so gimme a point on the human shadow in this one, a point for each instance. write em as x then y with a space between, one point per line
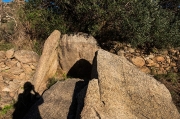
81 69
25 101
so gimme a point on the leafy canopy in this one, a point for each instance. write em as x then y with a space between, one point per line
138 22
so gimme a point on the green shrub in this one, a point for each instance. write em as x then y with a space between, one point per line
139 22
5 109
51 82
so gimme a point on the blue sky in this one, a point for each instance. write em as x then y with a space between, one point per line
6 0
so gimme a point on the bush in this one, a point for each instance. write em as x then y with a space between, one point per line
137 22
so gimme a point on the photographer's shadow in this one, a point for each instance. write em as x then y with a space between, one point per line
25 101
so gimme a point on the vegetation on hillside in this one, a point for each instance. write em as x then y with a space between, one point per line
139 22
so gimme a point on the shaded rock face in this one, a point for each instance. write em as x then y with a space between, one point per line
120 91
48 62
74 48
81 69
63 100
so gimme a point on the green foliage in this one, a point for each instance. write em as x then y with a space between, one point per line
37 47
51 82
170 76
42 20
137 22
173 77
5 109
6 46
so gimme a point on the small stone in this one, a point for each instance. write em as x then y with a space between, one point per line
131 50
22 76
145 70
10 53
11 94
160 59
27 68
2 55
138 61
175 69
172 51
168 60
164 52
11 63
172 64
174 58
137 54
151 56
32 66
25 56
149 61
15 70
161 71
128 45
120 53
167 68
6 89
3 65
125 48
19 65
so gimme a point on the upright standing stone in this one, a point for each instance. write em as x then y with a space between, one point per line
48 62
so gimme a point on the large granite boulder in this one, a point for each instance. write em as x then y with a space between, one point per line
60 101
120 91
48 62
76 50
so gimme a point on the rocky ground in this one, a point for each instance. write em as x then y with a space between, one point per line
18 66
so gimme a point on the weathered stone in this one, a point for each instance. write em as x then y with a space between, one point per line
164 52
4 68
74 48
22 76
2 64
26 56
175 69
131 50
19 65
167 68
15 71
121 91
172 51
121 52
6 89
149 61
159 59
145 70
168 60
32 66
173 64
27 68
174 58
47 62
138 61
161 71
151 56
9 76
11 63
2 55
10 53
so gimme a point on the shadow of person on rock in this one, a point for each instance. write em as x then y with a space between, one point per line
25 101
82 70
